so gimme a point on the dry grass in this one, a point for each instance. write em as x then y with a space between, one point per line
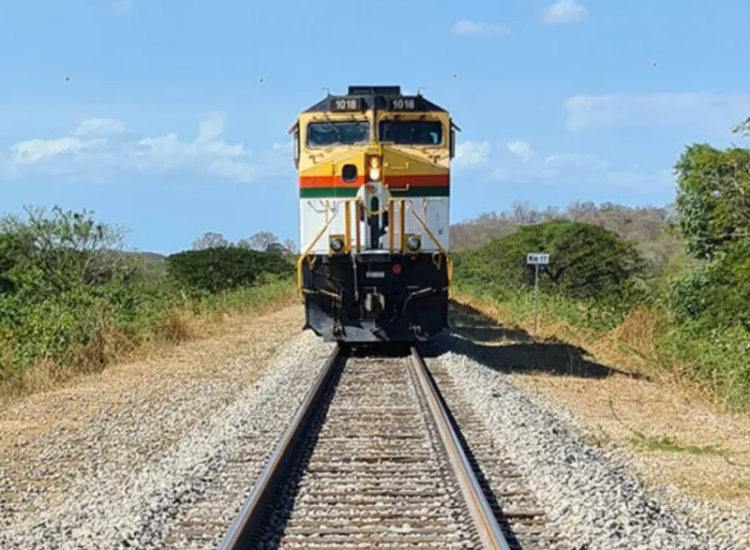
112 347
100 407
674 434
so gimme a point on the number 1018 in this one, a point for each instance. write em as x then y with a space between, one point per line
345 104
404 104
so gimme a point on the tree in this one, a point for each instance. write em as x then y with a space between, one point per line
291 246
713 199
210 240
50 253
587 261
277 248
259 241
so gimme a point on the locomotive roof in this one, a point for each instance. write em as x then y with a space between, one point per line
374 97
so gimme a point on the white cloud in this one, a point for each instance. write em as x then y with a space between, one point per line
36 150
518 163
122 7
563 12
472 28
470 154
572 166
521 149
99 148
693 109
99 127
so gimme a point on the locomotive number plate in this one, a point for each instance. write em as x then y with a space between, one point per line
346 104
403 104
376 274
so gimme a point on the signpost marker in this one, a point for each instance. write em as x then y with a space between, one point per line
536 259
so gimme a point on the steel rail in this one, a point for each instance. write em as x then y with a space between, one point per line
481 512
241 532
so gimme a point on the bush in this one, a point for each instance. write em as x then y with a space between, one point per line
586 261
222 268
717 294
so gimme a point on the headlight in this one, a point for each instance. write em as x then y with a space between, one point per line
412 243
373 168
337 244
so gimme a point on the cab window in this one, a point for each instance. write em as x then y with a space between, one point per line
411 132
327 134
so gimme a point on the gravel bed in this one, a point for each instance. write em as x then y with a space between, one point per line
589 497
713 520
111 507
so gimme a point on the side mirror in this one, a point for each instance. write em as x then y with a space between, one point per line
296 146
453 143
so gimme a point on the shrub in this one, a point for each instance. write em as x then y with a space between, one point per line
717 294
586 261
223 268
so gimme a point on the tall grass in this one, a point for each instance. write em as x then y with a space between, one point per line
85 330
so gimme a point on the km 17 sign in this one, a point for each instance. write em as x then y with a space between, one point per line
537 258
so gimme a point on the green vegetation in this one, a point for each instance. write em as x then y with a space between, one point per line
670 445
223 268
590 261
71 300
667 291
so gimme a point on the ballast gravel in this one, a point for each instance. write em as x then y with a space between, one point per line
589 497
109 507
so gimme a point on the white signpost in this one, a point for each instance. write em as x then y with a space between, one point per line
536 259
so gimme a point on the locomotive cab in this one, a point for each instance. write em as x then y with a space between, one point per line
374 177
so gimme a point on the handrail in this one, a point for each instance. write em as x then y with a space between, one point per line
448 259
391 235
306 253
348 226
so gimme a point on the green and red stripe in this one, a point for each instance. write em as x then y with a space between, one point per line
422 185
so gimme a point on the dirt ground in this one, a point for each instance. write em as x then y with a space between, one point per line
163 385
672 442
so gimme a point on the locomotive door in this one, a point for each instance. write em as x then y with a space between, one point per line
373 199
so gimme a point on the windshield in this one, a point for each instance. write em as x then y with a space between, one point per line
324 134
411 132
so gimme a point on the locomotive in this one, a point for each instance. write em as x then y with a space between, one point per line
374 188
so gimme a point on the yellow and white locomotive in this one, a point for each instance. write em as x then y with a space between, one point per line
374 184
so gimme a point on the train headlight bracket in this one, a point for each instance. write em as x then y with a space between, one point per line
413 243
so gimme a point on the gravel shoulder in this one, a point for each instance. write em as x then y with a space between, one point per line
631 435
145 441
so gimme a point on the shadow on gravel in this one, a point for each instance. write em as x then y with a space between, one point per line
378 350
472 332
476 325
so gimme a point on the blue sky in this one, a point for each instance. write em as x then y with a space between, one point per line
166 129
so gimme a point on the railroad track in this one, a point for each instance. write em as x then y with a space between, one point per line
372 459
